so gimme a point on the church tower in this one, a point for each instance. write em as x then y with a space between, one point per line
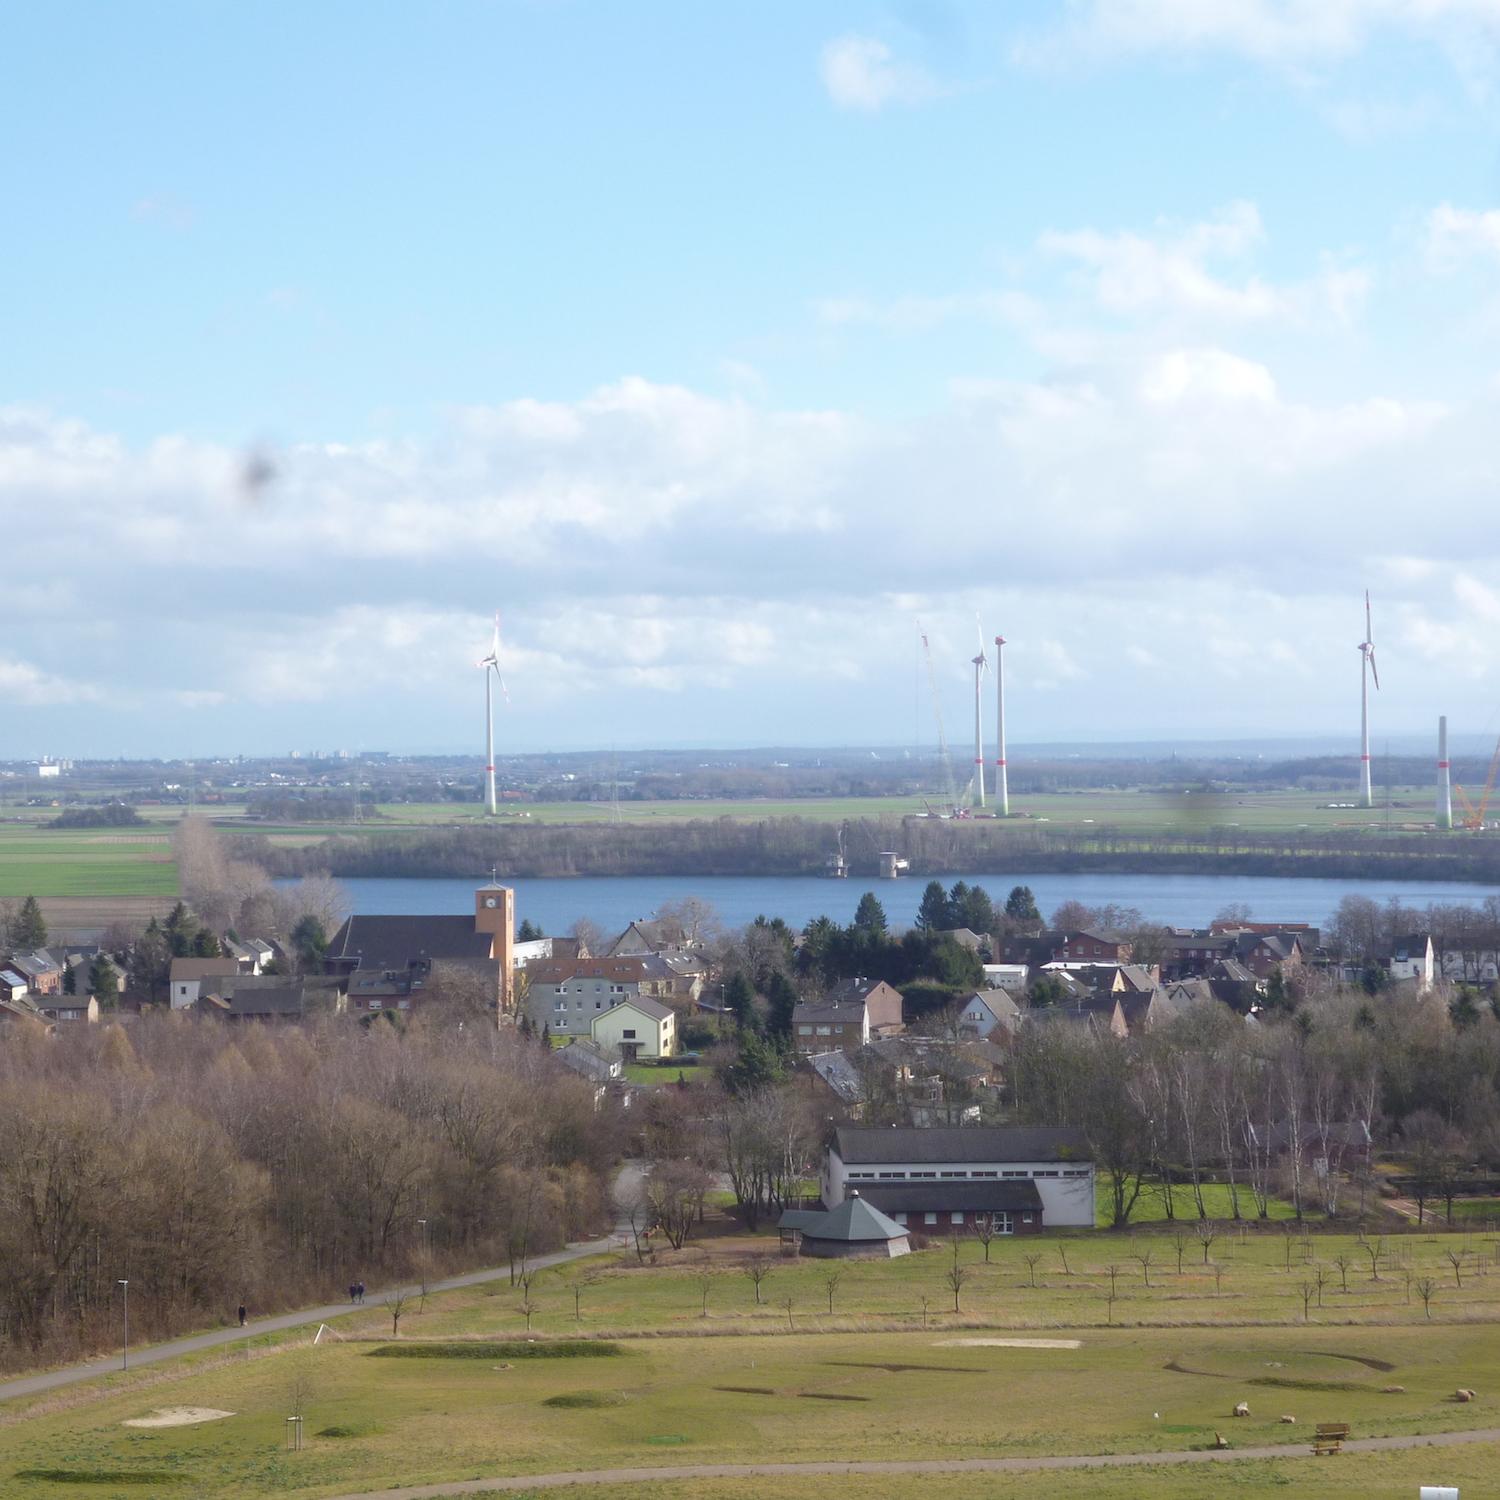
495 914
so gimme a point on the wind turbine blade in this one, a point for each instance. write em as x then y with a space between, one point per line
1370 654
504 691
1369 629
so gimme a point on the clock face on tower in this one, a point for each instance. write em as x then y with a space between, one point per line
489 900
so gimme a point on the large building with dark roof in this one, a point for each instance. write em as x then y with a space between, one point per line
409 946
945 1180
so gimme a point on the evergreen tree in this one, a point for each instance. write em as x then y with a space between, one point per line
29 929
529 932
180 929
1020 905
310 942
524 1026
206 945
781 1006
151 961
104 982
756 1066
739 1001
932 913
974 910
70 979
869 915
546 1036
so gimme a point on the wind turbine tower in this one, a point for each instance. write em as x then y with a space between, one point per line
1002 777
1367 672
490 666
980 663
1445 789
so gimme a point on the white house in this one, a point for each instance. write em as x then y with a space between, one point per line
185 982
986 1011
1412 958
945 1178
638 1027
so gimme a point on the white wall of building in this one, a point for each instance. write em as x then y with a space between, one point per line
1065 1188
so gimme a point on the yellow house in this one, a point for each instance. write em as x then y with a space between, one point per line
638 1027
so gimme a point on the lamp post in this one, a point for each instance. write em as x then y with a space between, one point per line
125 1338
423 1223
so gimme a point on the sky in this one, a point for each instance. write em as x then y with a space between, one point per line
724 350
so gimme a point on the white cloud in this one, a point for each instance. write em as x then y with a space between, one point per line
1458 234
861 72
1135 275
1280 32
28 686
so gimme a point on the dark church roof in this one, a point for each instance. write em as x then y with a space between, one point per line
985 1197
396 942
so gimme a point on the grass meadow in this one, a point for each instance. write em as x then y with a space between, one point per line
709 1372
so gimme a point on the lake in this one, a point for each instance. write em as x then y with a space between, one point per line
1174 900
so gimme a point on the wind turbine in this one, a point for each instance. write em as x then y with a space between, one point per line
980 663
1366 673
1002 775
490 666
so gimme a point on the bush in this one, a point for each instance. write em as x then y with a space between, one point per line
585 1399
350 1430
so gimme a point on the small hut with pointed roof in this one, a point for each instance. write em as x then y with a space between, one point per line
853 1230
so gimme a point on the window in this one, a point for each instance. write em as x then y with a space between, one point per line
1004 1224
1015 1174
825 1031
899 1176
804 1031
956 1217
953 1174
981 1174
629 1035
929 1218
924 1174
899 1218
1044 1174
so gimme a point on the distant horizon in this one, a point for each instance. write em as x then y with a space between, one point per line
1241 747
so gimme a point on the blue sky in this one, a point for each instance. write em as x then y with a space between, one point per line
718 346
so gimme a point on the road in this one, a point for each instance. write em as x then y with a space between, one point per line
527 1482
625 1182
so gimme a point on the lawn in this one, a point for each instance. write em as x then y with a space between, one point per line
1151 1206
787 1397
649 1073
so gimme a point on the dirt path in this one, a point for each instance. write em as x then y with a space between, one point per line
525 1482
34 1385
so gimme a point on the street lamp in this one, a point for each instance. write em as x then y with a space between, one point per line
423 1223
125 1339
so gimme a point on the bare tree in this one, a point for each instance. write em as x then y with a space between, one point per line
1180 1244
984 1232
1455 1258
955 1276
1374 1249
1144 1257
1207 1234
1343 1261
396 1304
1031 1263
1426 1290
705 1280
758 1270
831 1279
1308 1291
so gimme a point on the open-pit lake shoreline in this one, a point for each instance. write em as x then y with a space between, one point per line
613 901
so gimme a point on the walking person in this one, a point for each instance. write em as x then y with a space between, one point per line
353 1292
242 1314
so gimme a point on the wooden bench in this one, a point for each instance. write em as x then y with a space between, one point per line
1329 1437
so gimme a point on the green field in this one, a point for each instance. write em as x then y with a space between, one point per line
648 1073
84 862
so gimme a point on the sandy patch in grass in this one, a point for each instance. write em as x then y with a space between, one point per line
1009 1344
178 1416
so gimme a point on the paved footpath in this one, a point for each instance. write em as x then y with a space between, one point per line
33 1385
526 1482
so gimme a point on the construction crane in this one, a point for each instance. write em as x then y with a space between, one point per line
950 792
1475 813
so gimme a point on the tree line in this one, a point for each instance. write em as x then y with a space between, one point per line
213 1166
